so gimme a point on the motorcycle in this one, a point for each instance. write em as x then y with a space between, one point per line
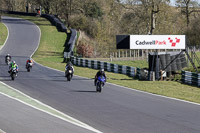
8 60
13 73
100 83
68 74
29 66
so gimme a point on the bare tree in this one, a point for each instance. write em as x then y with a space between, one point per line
148 10
187 8
46 4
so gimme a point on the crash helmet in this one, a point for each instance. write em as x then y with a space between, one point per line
69 63
14 62
101 70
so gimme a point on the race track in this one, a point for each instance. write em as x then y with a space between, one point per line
115 110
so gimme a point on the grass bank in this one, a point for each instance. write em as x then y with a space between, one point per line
3 33
50 51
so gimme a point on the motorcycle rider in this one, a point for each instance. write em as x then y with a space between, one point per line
8 56
13 65
29 61
69 66
101 72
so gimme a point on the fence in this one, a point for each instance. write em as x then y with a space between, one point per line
190 78
69 45
94 64
56 22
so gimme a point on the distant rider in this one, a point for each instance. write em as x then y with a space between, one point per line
12 66
8 56
29 61
69 66
101 72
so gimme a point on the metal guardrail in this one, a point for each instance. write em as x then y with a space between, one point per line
94 64
69 46
56 22
190 78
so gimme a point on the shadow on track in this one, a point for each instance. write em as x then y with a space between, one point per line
83 91
82 79
6 79
57 76
4 76
59 80
3 64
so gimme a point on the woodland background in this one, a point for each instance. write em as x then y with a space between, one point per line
99 21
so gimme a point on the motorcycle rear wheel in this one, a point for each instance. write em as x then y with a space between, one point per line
69 77
13 77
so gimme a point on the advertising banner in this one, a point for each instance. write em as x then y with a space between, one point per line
157 41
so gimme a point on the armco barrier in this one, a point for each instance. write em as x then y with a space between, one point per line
59 25
190 78
69 46
127 70
72 39
21 13
56 22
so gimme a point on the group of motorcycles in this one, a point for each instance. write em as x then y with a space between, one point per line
69 70
68 74
13 71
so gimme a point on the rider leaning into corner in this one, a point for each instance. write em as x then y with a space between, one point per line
8 55
29 61
69 66
101 72
13 65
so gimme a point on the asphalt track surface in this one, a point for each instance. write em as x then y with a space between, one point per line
17 117
115 110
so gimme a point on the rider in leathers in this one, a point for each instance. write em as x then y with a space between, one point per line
99 73
69 65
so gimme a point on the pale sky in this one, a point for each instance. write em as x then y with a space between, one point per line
172 2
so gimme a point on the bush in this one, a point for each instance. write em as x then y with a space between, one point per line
85 50
79 22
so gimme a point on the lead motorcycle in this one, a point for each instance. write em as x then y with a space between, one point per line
29 66
8 60
13 73
100 83
68 74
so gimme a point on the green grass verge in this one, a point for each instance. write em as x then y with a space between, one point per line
50 54
136 63
3 33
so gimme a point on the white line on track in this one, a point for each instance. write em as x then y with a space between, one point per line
74 121
1 131
77 122
132 88
6 38
107 83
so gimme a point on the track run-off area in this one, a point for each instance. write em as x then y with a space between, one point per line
43 101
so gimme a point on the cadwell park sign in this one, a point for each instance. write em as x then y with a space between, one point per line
151 41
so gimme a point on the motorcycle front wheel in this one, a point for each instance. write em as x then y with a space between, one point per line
98 87
13 76
69 77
